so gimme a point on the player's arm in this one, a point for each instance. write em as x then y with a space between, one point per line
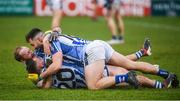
57 57
57 16
54 67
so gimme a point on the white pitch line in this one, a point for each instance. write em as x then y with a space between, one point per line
154 25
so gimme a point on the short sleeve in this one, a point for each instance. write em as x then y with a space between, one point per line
55 47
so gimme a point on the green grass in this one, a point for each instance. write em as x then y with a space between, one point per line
164 33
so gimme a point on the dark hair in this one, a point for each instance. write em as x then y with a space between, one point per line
32 33
17 56
31 66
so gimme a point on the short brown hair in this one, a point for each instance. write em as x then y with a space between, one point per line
17 56
31 66
32 33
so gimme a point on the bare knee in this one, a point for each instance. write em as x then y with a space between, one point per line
93 87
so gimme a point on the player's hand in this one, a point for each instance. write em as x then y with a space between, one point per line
53 36
57 29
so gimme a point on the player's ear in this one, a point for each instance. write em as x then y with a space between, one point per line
40 39
30 40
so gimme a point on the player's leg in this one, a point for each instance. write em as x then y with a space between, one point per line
94 79
110 22
145 51
56 6
118 59
57 16
143 81
93 74
112 26
94 65
120 25
167 83
95 10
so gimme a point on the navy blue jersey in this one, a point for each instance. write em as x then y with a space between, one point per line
69 76
39 52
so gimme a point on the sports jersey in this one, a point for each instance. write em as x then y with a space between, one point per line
72 48
39 52
69 76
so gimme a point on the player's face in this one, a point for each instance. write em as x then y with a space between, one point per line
26 53
35 43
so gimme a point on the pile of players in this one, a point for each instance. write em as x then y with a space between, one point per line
62 61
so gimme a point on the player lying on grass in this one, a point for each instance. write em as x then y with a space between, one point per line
26 54
71 76
93 55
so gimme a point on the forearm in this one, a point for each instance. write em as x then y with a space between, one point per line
56 18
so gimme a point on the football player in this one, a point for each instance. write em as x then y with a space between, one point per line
112 15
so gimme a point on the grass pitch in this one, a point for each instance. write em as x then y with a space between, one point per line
164 33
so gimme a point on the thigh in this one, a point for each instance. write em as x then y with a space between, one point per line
93 72
118 59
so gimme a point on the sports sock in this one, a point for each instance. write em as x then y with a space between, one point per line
139 54
119 37
114 37
121 78
158 85
163 73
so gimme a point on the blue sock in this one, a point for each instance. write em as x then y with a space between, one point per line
158 85
163 73
121 78
139 54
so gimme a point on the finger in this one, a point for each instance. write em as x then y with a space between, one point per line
54 38
50 38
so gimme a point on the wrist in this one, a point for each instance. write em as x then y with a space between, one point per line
54 27
40 78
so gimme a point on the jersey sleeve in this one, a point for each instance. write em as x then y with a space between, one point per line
55 47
